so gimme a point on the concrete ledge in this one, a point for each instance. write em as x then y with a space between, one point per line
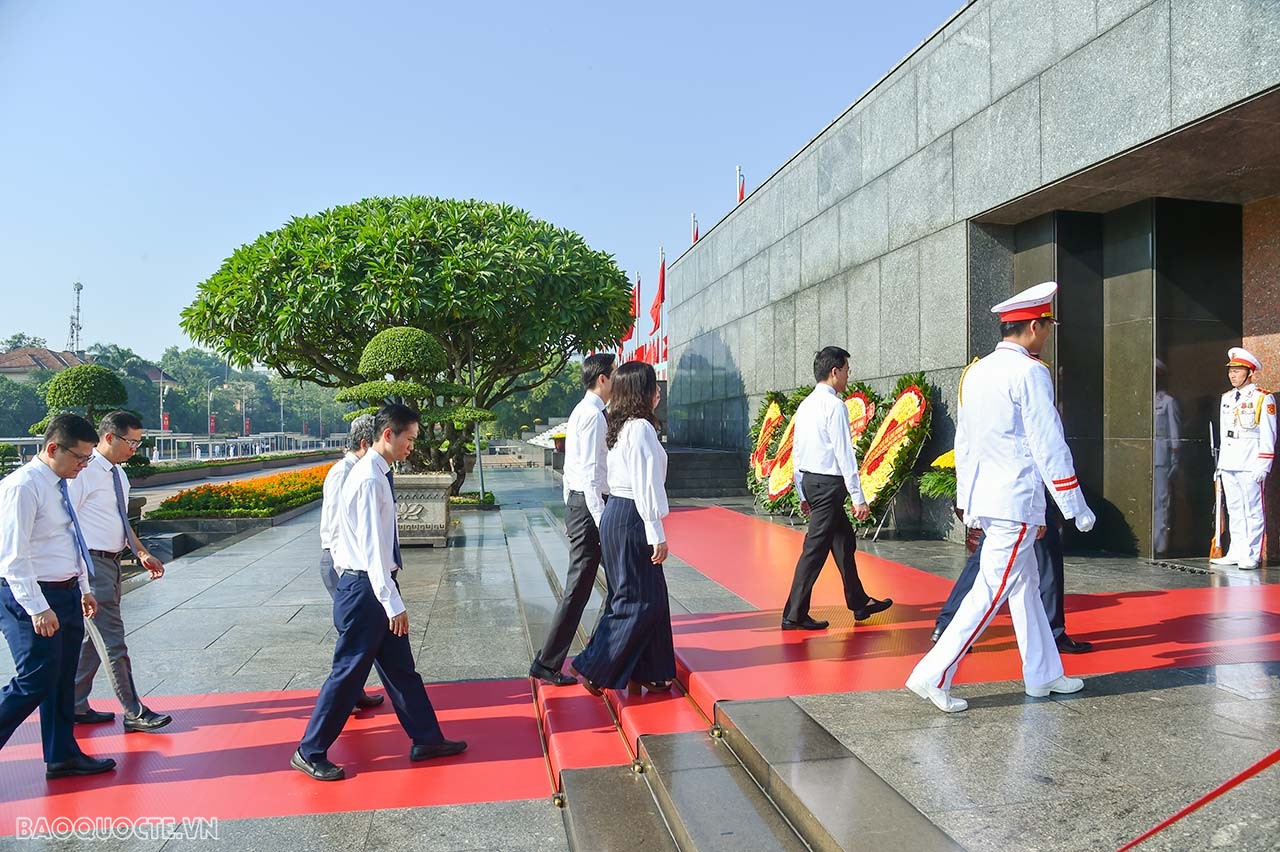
205 531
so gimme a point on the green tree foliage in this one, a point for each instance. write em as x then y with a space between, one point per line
88 389
415 360
553 397
20 340
20 406
504 293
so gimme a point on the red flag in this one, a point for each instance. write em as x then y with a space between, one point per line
693 220
655 310
742 185
635 310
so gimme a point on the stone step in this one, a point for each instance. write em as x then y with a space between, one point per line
833 800
611 809
711 803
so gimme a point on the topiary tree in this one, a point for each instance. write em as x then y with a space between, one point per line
509 298
88 389
416 362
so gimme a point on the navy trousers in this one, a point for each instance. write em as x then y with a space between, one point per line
633 639
46 670
365 640
584 561
1048 560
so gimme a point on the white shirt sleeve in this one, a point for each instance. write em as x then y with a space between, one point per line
1047 444
595 477
647 474
18 507
376 553
842 446
1266 435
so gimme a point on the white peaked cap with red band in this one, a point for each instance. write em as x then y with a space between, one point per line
1243 358
1032 303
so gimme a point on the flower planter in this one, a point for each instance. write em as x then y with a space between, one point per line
422 508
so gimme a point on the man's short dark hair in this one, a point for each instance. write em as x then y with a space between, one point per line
67 430
595 366
830 358
395 417
1015 328
119 422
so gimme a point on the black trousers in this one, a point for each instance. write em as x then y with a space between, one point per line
1048 560
829 532
633 640
584 563
365 640
46 670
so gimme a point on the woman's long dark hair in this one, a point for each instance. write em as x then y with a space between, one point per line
631 398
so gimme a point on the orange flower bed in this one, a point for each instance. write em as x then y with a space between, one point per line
263 497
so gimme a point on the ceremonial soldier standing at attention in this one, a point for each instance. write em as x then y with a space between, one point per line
1248 431
1009 448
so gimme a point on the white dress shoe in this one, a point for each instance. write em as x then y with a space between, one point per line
1222 560
941 698
1064 685
1248 566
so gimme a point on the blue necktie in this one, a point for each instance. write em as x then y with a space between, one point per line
395 547
81 547
121 506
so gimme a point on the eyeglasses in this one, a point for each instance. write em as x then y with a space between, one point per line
133 445
82 458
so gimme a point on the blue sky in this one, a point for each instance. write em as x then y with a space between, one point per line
141 142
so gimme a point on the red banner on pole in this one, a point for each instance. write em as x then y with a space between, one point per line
164 422
213 423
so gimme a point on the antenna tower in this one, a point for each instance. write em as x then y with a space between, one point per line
73 335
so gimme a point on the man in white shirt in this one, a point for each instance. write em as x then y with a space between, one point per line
826 474
100 495
1009 449
373 625
586 487
45 594
359 440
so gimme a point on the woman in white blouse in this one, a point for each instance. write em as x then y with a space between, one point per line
632 645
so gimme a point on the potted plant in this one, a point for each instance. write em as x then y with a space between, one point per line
404 365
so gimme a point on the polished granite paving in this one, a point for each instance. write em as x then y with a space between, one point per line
1088 771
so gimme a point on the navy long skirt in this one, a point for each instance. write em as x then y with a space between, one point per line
633 642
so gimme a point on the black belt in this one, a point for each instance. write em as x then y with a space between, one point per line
52 584
828 475
353 573
113 555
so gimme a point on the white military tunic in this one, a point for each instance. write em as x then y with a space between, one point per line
1248 427
1009 448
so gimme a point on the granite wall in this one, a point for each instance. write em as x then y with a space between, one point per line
861 239
1262 324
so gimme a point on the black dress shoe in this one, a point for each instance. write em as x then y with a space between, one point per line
1067 645
546 674
936 635
94 717
806 624
145 722
319 769
870 608
81 764
368 700
440 749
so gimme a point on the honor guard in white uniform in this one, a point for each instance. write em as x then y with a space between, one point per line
1248 429
1009 450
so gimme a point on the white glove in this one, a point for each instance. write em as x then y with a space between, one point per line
1085 520
1260 476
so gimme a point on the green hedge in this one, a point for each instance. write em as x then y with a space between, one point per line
137 472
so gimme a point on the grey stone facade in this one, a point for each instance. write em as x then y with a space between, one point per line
863 238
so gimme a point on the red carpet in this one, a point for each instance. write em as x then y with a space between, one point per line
745 655
227 756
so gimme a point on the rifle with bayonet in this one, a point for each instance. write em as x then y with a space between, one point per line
1215 547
